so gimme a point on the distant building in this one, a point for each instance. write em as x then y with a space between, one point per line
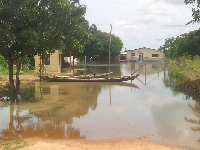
123 56
52 62
145 54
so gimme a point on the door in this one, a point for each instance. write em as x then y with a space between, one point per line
141 57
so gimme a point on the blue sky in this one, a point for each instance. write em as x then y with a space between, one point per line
143 23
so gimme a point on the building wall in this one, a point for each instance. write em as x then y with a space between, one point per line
147 53
55 62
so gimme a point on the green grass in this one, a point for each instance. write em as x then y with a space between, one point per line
3 71
185 68
24 72
28 72
13 145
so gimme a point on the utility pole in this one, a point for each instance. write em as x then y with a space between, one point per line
109 47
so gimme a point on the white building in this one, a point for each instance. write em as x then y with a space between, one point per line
145 54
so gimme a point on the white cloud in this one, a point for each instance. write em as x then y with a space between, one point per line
121 1
174 2
144 23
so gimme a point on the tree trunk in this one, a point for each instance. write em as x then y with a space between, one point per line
73 61
70 62
17 77
73 65
11 80
40 71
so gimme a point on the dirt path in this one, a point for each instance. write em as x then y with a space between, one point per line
36 144
21 77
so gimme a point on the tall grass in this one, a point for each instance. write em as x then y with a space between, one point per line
185 68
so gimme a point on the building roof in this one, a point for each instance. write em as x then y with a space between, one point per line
144 48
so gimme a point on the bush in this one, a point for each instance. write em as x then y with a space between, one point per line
185 68
3 63
27 66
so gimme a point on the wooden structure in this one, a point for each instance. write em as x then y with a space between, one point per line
90 79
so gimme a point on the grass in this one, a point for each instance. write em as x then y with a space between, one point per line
185 68
13 145
3 71
24 72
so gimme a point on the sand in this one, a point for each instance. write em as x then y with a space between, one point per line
117 144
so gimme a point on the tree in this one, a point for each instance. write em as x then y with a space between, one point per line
16 36
99 44
116 45
195 11
3 64
32 27
75 31
185 44
94 46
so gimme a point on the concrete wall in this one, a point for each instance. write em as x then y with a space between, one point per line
55 62
147 53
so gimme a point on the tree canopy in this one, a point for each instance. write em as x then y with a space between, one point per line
75 30
185 44
37 26
99 44
195 10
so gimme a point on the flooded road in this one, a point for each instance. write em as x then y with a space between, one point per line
145 108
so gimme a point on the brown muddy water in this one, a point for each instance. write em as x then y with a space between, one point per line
144 108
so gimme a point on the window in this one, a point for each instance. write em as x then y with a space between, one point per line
132 54
140 56
154 55
46 59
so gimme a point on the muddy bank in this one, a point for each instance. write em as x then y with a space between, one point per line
191 88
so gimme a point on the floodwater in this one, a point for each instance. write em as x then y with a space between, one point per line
146 107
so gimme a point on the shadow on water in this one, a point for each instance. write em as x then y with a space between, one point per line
148 108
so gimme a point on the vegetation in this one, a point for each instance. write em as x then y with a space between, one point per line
185 68
185 72
99 44
40 26
185 44
195 10
184 54
34 27
75 30
13 145
3 66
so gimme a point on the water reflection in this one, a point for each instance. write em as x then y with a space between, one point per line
170 82
104 110
51 111
24 125
64 100
195 122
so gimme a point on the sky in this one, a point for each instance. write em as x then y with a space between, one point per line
140 23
